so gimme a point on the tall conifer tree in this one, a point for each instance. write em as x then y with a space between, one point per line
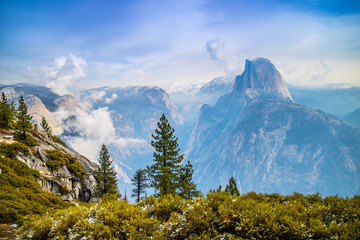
23 123
44 124
6 112
106 175
140 182
231 188
187 188
164 173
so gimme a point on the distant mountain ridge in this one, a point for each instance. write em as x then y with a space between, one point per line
353 117
46 95
336 101
246 126
259 136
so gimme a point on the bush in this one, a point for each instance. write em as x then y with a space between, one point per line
12 150
58 140
105 220
218 216
57 159
29 141
20 194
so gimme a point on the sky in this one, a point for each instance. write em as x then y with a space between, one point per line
69 45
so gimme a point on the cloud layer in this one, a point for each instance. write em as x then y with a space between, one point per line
228 62
60 74
93 128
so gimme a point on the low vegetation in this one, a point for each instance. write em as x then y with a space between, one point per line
20 193
57 159
218 216
11 150
58 140
29 140
44 124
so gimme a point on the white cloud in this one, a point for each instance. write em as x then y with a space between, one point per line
94 128
230 63
314 73
59 74
121 175
97 95
110 100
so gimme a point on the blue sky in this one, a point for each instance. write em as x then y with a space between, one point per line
83 44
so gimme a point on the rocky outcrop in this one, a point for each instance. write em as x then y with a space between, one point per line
61 181
37 110
260 76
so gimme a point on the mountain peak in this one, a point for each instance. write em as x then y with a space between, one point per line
260 75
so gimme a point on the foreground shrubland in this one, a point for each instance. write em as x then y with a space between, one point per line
218 216
20 193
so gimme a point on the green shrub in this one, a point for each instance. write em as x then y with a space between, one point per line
58 140
164 206
57 159
29 141
218 216
106 220
21 194
12 150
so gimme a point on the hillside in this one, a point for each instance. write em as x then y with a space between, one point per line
40 177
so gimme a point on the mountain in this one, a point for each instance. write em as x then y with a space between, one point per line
258 135
338 100
134 112
36 107
209 120
190 100
260 76
46 95
218 85
353 118
141 105
37 110
122 118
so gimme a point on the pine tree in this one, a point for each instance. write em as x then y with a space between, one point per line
23 123
13 111
46 126
187 188
231 188
6 112
140 182
164 173
106 175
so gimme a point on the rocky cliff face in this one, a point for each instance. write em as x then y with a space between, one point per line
37 110
60 181
267 143
38 100
260 76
